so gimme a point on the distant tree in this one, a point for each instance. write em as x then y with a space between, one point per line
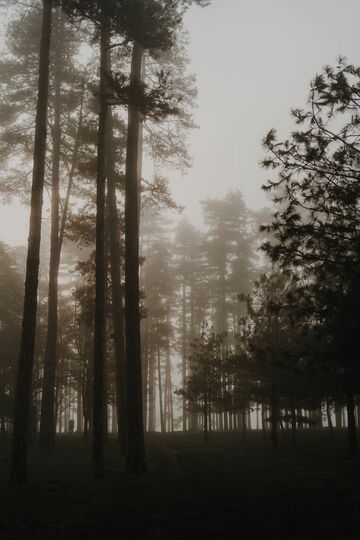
203 386
191 274
11 298
228 248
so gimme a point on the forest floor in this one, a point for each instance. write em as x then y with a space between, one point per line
229 490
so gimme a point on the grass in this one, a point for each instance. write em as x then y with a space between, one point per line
226 491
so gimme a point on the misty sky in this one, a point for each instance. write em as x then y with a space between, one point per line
254 60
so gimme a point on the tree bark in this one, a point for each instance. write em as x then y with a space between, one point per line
47 420
161 408
183 353
152 384
135 461
100 272
18 465
115 270
117 298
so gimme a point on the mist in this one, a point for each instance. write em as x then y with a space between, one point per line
179 269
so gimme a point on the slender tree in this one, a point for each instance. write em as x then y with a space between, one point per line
48 422
18 465
136 447
100 260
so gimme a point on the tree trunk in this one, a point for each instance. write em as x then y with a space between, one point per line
328 416
293 422
351 429
79 411
161 408
206 427
152 407
183 353
117 299
338 414
18 465
100 272
47 419
135 461
243 424
274 417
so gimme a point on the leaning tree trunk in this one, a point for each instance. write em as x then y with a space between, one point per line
18 465
100 271
135 461
117 298
47 421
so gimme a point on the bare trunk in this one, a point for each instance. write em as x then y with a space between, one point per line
47 420
117 298
136 445
184 415
100 272
152 408
162 423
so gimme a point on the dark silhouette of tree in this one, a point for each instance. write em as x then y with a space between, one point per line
316 228
18 469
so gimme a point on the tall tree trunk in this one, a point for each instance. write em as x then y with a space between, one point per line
135 461
145 359
100 272
74 160
18 465
183 353
47 419
168 389
117 298
152 402
161 408
79 411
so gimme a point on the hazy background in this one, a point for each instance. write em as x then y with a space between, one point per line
254 60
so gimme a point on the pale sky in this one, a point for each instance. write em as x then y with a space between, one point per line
254 60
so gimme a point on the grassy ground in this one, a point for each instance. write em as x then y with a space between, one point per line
226 491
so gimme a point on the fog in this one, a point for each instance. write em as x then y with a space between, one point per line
179 269
253 60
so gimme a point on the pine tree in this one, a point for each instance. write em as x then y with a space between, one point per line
18 466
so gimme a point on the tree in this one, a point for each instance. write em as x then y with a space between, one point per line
316 229
229 253
18 468
203 387
10 327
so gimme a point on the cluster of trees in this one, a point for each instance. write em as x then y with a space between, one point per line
297 348
80 123
131 319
